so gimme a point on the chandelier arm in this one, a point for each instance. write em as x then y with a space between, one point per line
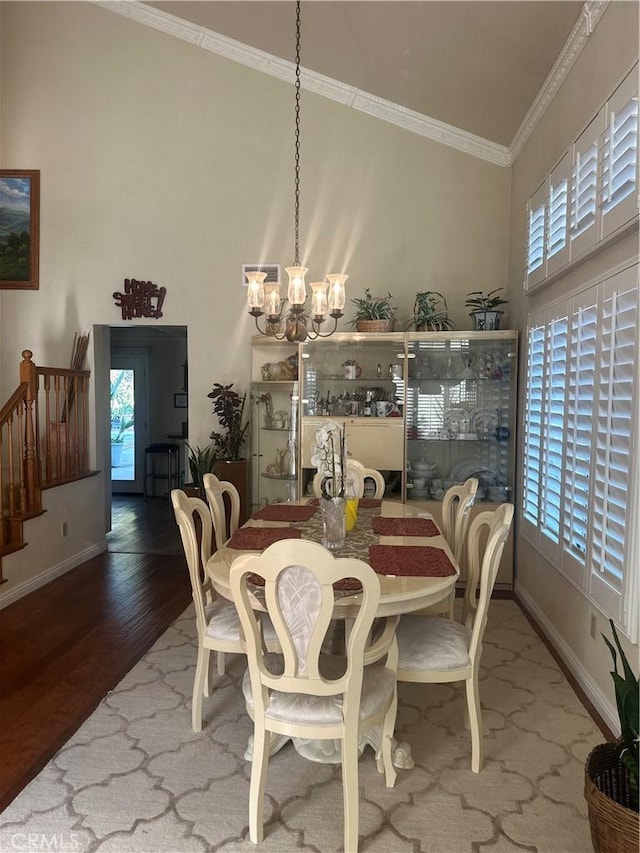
315 332
264 332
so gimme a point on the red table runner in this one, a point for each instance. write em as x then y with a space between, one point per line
286 512
258 538
410 561
384 526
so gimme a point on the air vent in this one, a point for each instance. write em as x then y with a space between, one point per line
272 271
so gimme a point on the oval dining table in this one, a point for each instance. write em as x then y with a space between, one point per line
394 554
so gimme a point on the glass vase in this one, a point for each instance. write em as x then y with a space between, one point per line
333 522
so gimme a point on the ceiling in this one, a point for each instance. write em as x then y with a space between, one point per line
474 64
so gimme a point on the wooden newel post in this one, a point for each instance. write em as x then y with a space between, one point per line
30 456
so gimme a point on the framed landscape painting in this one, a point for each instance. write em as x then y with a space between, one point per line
19 228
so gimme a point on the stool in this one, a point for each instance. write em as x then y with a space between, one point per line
172 474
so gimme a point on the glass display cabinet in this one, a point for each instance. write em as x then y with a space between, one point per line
358 380
460 413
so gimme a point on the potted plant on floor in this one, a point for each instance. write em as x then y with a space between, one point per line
373 313
228 442
201 462
484 312
430 312
611 772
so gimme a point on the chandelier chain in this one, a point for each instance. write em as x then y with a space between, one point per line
296 252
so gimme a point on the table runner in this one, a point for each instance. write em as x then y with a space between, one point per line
410 561
286 512
258 538
384 526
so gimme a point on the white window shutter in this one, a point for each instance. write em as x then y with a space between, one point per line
536 268
583 229
616 463
533 423
619 183
558 216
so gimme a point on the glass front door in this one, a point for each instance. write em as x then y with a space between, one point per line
128 412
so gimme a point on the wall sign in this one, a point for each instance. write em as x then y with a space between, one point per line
140 299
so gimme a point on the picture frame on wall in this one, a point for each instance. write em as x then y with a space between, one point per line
19 229
180 401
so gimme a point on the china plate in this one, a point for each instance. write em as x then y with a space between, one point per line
465 468
485 420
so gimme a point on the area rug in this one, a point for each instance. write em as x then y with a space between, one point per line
136 779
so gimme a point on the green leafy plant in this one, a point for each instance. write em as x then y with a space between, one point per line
228 406
370 307
430 311
201 461
477 300
626 689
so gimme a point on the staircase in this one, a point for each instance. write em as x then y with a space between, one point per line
43 443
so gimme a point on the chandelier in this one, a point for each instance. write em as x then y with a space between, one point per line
298 323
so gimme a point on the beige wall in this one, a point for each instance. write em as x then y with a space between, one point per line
163 162
609 55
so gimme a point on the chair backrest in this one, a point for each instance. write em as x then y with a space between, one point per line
186 510
299 595
355 473
215 490
485 544
378 479
456 509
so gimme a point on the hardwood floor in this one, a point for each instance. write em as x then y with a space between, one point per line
63 647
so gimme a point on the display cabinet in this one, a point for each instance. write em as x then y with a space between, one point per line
274 423
358 380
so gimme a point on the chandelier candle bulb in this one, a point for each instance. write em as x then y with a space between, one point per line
272 298
337 293
319 299
255 291
296 293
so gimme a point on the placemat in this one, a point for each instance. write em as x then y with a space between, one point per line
258 538
410 561
285 512
384 526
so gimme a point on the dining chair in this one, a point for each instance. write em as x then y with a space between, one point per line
303 692
436 650
356 472
215 491
217 620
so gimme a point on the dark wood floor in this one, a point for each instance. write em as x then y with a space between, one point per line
63 647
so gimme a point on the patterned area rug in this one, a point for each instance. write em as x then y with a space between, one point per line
136 779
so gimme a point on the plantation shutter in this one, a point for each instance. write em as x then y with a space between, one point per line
579 432
536 214
619 185
533 416
558 217
583 197
615 445
553 430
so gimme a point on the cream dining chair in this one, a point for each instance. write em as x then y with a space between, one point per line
436 650
356 472
217 620
302 692
215 491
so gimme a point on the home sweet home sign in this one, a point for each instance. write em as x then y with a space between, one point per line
140 299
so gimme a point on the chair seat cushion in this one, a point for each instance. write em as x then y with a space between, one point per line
223 622
432 643
378 685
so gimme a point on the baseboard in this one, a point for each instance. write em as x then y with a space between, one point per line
607 711
46 577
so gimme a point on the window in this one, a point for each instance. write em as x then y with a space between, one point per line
580 469
591 194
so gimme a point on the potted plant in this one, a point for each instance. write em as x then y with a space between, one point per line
430 312
373 313
201 462
484 309
227 443
611 772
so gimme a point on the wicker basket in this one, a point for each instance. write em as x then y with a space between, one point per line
614 826
374 325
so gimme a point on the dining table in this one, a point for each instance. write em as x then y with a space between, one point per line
415 566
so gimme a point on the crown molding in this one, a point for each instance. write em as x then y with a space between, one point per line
310 80
350 96
592 11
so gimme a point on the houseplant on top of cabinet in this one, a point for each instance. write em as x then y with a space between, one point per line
227 443
430 313
484 309
611 771
373 313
